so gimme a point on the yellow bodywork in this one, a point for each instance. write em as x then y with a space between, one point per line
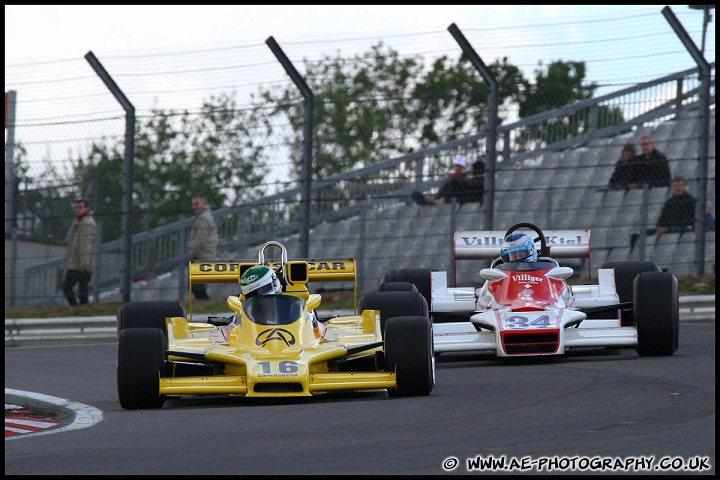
290 359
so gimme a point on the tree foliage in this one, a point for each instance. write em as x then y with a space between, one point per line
369 108
452 99
177 155
41 205
359 104
379 105
560 84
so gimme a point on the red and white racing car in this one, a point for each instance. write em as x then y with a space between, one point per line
528 309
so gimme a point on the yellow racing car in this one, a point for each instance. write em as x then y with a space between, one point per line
274 345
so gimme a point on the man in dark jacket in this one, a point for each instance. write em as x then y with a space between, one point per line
678 213
453 185
624 175
651 165
473 188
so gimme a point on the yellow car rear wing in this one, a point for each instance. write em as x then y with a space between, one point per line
297 272
305 270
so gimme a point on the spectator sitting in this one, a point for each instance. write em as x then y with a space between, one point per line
678 212
473 188
709 217
450 188
624 176
418 198
652 166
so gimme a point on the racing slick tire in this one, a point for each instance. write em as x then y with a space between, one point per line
140 360
656 311
147 315
409 353
625 273
420 277
394 304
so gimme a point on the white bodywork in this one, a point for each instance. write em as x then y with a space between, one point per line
495 329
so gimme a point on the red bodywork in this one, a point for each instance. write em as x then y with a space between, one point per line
527 292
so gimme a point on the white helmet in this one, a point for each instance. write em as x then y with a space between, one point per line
259 280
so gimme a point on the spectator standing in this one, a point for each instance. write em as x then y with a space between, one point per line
625 177
203 241
80 260
652 165
473 188
678 212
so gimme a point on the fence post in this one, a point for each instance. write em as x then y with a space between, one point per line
182 266
360 262
644 208
703 139
98 263
308 141
453 228
13 266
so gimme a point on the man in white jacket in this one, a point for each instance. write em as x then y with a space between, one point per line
203 241
80 261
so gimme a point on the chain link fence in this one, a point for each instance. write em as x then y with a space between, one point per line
552 169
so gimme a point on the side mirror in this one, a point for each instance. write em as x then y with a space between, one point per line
560 273
493 274
235 303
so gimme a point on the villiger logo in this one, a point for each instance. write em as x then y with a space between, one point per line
486 241
526 278
275 334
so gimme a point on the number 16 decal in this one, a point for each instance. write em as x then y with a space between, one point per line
281 367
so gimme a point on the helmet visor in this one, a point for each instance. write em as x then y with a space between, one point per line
516 255
261 290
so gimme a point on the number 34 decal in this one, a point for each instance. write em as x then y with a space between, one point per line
520 321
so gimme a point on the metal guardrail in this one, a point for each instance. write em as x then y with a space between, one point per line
697 309
23 332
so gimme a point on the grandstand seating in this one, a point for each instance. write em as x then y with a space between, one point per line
571 185
567 190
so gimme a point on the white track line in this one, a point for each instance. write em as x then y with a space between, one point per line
85 415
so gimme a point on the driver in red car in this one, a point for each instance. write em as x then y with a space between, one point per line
518 247
528 287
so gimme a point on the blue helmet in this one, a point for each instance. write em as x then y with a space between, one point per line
518 247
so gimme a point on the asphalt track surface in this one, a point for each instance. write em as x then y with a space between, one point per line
588 407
